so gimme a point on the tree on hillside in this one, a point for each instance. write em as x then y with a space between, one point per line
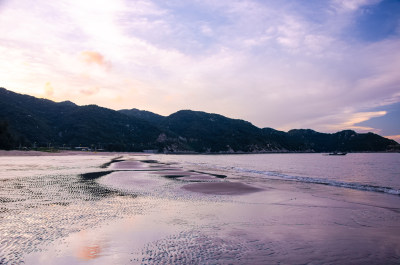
6 139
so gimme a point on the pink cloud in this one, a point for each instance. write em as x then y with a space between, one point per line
90 91
394 137
48 90
93 57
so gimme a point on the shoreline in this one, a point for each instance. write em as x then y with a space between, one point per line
62 153
68 152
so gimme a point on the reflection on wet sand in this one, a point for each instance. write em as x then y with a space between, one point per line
89 252
87 247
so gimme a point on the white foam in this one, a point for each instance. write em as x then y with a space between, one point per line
322 181
329 182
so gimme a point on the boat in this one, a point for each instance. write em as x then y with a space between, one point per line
338 154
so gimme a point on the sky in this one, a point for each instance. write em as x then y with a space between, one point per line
327 65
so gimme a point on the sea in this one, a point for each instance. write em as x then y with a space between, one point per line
377 172
310 209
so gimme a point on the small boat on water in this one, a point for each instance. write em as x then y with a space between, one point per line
338 154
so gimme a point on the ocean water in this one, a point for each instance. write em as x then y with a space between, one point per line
379 172
312 209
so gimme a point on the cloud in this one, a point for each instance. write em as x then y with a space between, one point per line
394 137
94 58
352 5
355 118
90 91
276 63
48 90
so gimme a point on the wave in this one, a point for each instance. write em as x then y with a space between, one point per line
328 182
321 181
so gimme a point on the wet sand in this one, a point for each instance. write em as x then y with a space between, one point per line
135 212
221 188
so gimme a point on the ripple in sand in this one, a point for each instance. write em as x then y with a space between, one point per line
48 203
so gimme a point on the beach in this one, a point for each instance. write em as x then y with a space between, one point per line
86 208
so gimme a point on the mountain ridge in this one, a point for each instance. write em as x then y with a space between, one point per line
26 121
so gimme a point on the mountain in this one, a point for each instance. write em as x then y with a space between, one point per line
143 114
26 121
205 132
201 132
347 140
29 121
6 139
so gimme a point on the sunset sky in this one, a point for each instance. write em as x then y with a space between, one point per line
324 65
